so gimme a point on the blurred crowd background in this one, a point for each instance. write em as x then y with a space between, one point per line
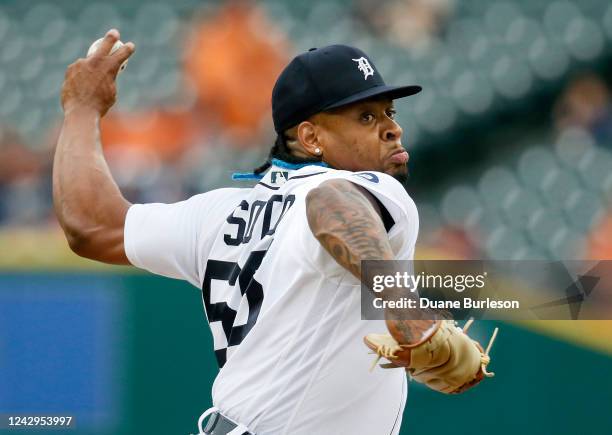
511 158
510 141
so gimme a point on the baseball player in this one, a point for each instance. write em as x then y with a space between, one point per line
278 264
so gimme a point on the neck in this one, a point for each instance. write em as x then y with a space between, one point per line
295 157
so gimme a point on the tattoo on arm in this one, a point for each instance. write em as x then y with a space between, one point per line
346 220
347 224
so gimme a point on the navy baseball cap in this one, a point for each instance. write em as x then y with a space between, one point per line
326 78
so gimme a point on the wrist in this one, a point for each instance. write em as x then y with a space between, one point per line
81 111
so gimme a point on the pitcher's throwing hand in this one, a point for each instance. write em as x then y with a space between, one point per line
90 82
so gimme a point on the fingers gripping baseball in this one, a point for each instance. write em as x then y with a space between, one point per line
107 44
90 82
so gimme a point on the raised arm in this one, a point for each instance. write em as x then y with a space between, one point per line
88 204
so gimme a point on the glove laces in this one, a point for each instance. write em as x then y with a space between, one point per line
485 359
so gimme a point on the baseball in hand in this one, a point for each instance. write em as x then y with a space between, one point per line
92 49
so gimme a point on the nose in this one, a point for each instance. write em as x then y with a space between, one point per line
392 131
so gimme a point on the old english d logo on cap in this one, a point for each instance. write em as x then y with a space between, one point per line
364 66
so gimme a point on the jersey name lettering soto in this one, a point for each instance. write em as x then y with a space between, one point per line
246 216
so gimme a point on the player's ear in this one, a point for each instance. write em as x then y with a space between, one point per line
308 136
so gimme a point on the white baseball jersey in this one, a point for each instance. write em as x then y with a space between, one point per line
285 317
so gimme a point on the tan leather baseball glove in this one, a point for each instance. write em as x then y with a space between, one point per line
436 353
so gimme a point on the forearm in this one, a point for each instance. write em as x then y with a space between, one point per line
87 201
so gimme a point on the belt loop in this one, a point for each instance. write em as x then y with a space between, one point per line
205 414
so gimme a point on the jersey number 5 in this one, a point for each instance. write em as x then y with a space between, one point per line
221 311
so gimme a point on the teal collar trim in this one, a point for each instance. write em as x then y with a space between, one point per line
276 162
246 176
286 165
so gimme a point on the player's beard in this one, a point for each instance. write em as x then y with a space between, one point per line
402 176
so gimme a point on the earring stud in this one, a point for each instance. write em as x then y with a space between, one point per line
317 151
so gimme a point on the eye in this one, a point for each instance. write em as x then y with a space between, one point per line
367 117
391 113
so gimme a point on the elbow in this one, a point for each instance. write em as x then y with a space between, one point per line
94 238
98 243
78 240
78 235
73 229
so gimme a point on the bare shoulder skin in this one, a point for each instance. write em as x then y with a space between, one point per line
88 204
